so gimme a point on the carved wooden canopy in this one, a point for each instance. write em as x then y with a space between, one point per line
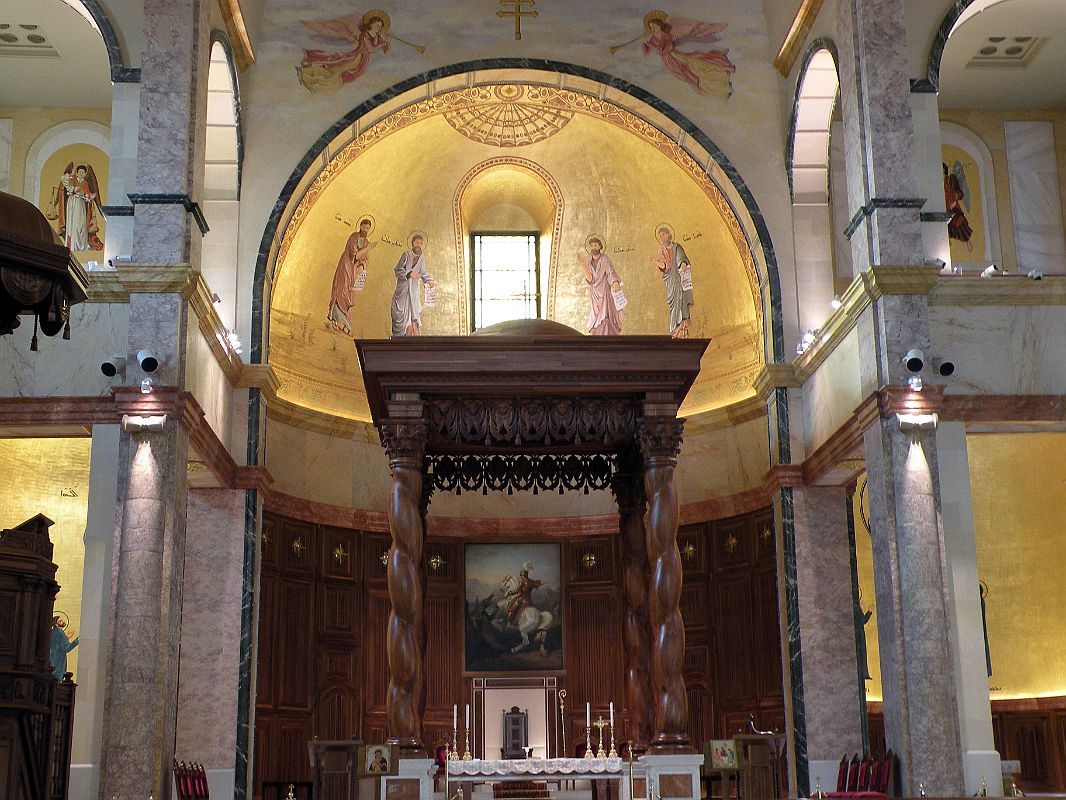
527 405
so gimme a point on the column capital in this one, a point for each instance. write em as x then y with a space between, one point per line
404 440
661 437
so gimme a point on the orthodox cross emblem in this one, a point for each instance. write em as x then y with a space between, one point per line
517 11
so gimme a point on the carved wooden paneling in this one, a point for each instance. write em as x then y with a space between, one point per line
268 540
442 562
762 524
444 651
375 547
338 612
591 560
297 548
338 664
375 665
336 713
697 659
731 542
767 645
265 759
694 607
339 554
1026 738
593 657
699 702
733 621
295 645
290 752
692 544
268 627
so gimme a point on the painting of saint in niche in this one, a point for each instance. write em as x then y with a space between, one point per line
75 208
513 608
709 72
606 299
326 71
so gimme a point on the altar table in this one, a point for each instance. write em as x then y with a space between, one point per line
540 769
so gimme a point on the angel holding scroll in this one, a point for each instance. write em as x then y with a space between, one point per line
74 205
709 72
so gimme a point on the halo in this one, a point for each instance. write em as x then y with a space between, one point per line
62 615
666 225
361 217
661 16
383 15
425 239
592 236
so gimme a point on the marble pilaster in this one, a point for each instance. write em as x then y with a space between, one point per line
879 133
980 760
170 146
832 697
95 611
211 633
122 168
1034 195
911 588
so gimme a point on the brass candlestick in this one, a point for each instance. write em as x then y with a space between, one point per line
588 742
467 755
601 723
453 753
613 753
562 717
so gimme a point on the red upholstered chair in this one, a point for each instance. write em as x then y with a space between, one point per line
865 766
842 775
853 774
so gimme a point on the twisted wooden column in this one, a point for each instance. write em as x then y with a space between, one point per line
660 440
628 488
405 443
423 572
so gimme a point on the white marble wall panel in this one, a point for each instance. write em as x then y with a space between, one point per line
208 383
64 367
832 393
1034 195
927 153
838 198
122 173
1002 349
812 231
5 152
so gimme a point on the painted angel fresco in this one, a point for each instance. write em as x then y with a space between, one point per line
325 71
956 201
709 72
75 206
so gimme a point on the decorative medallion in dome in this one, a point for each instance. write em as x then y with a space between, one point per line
509 115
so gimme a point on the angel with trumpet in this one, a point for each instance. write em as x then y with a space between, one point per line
321 70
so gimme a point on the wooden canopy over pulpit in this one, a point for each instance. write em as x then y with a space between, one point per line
534 405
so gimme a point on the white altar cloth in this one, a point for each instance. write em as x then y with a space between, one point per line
536 766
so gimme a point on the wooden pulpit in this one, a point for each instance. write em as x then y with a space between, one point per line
335 769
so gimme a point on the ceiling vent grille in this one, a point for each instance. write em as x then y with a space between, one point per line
24 39
1007 51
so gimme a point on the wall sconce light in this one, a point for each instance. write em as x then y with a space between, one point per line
917 422
588 560
436 563
688 552
138 424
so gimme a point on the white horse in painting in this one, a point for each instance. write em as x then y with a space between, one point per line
532 622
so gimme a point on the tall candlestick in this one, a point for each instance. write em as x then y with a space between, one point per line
588 715
467 715
612 713
455 716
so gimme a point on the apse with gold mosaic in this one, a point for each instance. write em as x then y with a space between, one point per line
507 201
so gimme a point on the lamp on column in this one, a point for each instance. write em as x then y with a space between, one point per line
38 275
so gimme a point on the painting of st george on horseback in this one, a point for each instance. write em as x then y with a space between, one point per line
513 608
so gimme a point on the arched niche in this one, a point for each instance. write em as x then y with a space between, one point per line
621 176
505 194
981 182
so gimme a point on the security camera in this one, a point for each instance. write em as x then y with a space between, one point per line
147 360
990 270
914 360
944 366
935 262
1035 274
116 365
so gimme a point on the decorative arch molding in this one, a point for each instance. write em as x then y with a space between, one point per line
931 82
657 116
550 186
962 137
75 131
818 45
120 72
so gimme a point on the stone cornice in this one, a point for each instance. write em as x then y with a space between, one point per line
298 416
796 36
261 377
774 376
900 280
1004 290
726 417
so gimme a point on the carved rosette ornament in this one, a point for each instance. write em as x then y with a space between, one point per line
660 440
628 488
405 443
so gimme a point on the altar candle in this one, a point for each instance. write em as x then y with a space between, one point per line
588 715
455 717
468 716
612 714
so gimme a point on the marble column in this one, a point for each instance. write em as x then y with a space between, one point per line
884 192
628 488
95 611
171 130
405 443
660 440
142 679
833 699
912 590
211 634
980 761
